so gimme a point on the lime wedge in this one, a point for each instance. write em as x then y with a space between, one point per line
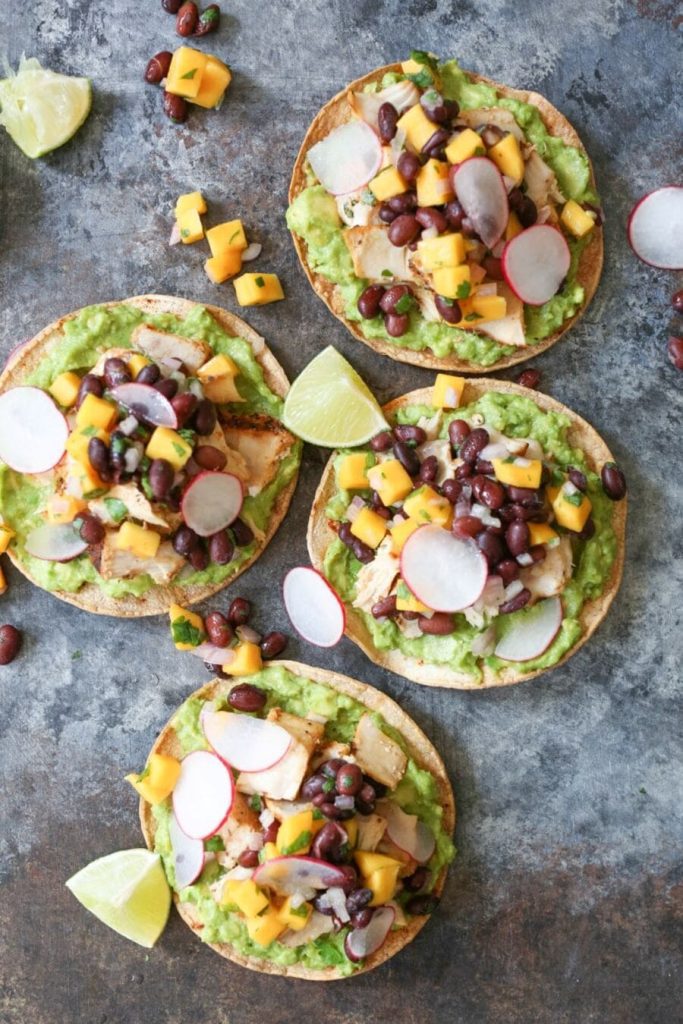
127 891
41 109
328 404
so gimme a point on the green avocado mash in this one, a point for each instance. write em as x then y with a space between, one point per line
93 331
417 793
313 216
514 416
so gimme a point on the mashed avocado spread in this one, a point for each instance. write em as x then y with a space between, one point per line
417 793
313 216
514 416
93 331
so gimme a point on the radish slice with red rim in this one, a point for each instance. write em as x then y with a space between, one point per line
146 403
248 744
481 193
55 542
213 655
314 609
363 942
33 431
14 352
535 263
288 875
203 795
407 831
445 572
347 158
655 228
188 855
211 502
532 632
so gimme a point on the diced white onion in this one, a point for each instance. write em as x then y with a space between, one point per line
266 817
252 252
496 450
490 288
525 559
354 509
128 426
175 234
194 386
429 233
180 379
248 635
131 460
484 643
512 589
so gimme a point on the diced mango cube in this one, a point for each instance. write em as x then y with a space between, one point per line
136 363
3 583
63 508
433 186
158 779
187 628
368 861
245 895
190 201
411 67
222 268
513 226
426 506
390 480
265 929
577 220
218 380
85 480
247 660
382 883
96 412
388 183
464 145
166 443
79 440
258 289
518 472
453 282
406 600
487 307
444 251
352 475
295 834
400 534
268 851
229 235
351 829
64 388
142 542
217 367
215 80
507 156
6 535
185 73
418 128
295 918
571 508
447 391
369 527
190 227
541 533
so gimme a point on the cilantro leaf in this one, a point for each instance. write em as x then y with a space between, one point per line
190 74
474 316
574 499
179 449
423 79
300 843
463 290
116 509
259 282
255 803
422 57
214 845
387 273
404 303
183 632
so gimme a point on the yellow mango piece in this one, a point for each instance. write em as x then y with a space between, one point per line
541 533
142 542
3 583
351 829
577 220
228 235
294 918
190 227
513 226
295 834
426 506
218 380
219 366
383 885
368 862
136 363
245 895
406 600
63 508
390 480
351 475
222 391
418 128
222 268
464 145
185 73
166 443
158 779
88 480
507 156
518 472
268 851
400 534
447 391
411 67
433 186
216 78
258 289
388 183
64 388
369 527
453 282
247 660
6 535
96 412
568 514
187 628
190 201
444 251
487 307
78 441
265 929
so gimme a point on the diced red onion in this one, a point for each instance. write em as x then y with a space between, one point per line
175 234
170 364
344 803
355 508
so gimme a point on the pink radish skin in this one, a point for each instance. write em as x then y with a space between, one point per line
444 572
347 158
481 192
146 403
214 655
535 263
313 606
363 942
203 795
211 502
15 352
55 542
655 228
533 634
188 855
247 744
33 432
288 875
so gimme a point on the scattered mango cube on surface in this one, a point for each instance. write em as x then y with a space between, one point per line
228 235
190 201
258 289
64 388
447 391
352 475
187 628
369 527
190 227
247 660
140 541
222 268
215 81
185 73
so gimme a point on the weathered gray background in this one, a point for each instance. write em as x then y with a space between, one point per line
565 902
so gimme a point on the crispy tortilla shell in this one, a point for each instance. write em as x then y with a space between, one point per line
419 748
28 357
335 113
581 435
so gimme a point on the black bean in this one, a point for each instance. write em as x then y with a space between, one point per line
198 558
362 552
242 533
248 859
408 166
247 697
492 547
382 442
525 496
434 146
408 432
98 455
458 430
221 548
186 20
358 899
577 478
613 481
273 644
407 457
329 841
209 457
484 466
184 540
362 918
209 20
387 119
385 608
312 786
677 302
437 108
172 6
493 268
492 494
430 217
386 214
392 296
429 469
674 350
396 324
454 214
517 537
529 378
167 386
116 372
508 570
520 600
91 529
526 212
475 442
161 476
440 624
588 530
451 489
10 642
405 229
369 301
463 471
538 553
419 878
239 611
175 108
219 630
403 203
205 417
349 780
90 385
490 135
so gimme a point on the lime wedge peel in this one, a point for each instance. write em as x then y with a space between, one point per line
42 109
128 892
330 405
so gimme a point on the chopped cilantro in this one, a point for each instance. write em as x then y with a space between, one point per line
76 655
422 57
255 803
317 814
187 435
214 844
185 233
89 431
403 592
97 492
179 449
183 632
480 151
145 463
190 74
404 303
116 509
387 273
509 459
300 843
464 289
574 499
259 282
446 302
328 785
234 235
210 15
147 488
474 316
143 774
643 790
424 514
423 79
367 197
119 444
301 911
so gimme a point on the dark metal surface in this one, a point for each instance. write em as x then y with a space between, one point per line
565 902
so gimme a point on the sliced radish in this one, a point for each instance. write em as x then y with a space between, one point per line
532 633
445 572
481 192
188 855
363 942
314 608
55 542
146 403
347 158
655 228
288 875
213 655
407 831
33 431
248 744
14 352
211 502
203 794
535 263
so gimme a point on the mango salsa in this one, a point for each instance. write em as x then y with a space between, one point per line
352 475
229 235
185 73
64 388
214 83
258 289
142 542
369 527
387 184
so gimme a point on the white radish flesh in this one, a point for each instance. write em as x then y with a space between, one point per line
288 875
314 609
407 831
247 744
211 502
146 403
347 158
481 192
445 572
55 542
535 263
203 795
655 228
188 855
33 431
532 633
363 942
